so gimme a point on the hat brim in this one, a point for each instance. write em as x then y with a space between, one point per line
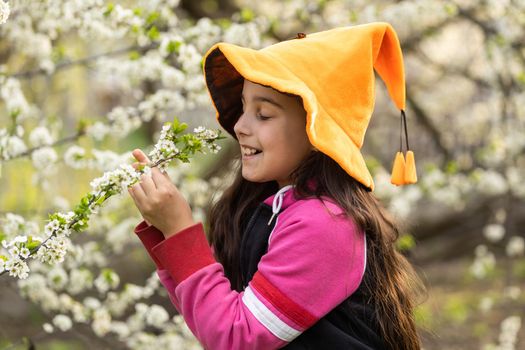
227 65
225 68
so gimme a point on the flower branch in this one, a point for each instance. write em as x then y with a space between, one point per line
172 145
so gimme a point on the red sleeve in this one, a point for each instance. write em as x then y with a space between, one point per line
150 236
187 252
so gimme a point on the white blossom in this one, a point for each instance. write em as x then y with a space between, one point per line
62 322
75 157
98 130
515 247
40 136
510 327
44 158
79 280
492 183
189 58
53 250
15 101
513 292
486 304
121 329
57 278
101 322
156 316
494 232
17 267
11 146
484 262
92 303
4 11
48 328
106 280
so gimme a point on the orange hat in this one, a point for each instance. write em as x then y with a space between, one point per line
333 72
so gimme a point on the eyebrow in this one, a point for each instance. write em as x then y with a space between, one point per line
265 99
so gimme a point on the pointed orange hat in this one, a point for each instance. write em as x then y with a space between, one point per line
333 72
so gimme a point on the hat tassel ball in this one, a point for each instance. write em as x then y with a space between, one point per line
404 168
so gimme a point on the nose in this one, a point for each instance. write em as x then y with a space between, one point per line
241 126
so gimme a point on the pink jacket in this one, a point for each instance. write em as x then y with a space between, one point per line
315 260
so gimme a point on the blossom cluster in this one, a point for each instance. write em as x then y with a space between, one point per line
4 11
53 248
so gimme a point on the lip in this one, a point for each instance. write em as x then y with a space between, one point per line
251 156
244 145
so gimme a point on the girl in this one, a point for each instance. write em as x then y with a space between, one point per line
300 255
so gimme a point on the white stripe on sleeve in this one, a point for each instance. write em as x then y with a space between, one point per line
264 315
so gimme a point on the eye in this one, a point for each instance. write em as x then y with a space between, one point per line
262 117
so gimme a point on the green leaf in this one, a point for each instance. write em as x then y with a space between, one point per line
451 167
153 33
247 15
101 200
33 245
109 9
451 9
83 123
59 52
80 225
108 274
134 55
354 17
174 46
405 242
14 114
152 17
521 78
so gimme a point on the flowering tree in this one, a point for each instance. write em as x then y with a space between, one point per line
80 78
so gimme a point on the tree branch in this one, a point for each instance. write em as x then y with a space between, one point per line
85 60
423 118
67 139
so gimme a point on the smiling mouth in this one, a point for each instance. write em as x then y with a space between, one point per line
249 151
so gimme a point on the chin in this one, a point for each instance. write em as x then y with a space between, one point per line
252 178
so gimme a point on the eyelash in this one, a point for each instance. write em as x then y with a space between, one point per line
262 117
258 115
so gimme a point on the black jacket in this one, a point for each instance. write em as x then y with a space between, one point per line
350 325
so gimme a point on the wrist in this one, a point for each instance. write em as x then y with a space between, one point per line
178 228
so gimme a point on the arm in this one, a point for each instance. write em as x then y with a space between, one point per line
288 294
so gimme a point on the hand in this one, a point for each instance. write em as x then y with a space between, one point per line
159 201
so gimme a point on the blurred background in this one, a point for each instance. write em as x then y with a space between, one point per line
83 83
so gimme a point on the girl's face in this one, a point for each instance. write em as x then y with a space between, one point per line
271 133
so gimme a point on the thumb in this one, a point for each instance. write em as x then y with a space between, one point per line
140 156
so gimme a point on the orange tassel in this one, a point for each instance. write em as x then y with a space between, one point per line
398 170
410 169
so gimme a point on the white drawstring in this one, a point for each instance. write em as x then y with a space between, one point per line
278 202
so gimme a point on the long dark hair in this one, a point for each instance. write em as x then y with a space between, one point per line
392 284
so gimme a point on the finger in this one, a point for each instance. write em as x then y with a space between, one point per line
140 156
138 195
147 184
159 177
132 195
